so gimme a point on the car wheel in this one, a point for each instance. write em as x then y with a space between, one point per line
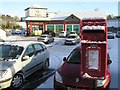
46 65
17 81
108 87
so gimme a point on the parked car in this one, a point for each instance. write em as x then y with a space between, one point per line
1 40
20 59
46 38
49 32
62 34
118 34
67 77
110 35
72 39
73 32
16 32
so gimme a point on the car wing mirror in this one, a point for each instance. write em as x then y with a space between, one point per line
64 59
109 62
25 58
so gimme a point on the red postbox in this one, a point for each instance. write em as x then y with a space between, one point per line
94 47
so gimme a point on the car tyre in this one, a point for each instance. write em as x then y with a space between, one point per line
53 40
17 81
108 87
46 65
48 42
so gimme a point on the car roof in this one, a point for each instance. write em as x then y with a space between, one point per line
22 43
73 35
45 35
78 48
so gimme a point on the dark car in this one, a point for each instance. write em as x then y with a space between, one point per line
67 77
110 35
118 34
49 32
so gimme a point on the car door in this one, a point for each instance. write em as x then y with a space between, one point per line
78 39
40 55
28 63
51 38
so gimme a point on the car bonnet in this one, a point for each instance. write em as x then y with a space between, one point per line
4 65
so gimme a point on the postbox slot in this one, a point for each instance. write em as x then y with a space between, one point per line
94 31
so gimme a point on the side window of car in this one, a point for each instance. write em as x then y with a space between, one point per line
74 57
38 48
29 51
44 47
50 36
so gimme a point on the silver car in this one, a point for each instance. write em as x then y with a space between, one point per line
46 38
72 39
20 59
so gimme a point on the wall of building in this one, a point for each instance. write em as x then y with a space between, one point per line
35 12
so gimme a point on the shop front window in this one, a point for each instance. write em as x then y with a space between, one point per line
50 28
76 28
69 28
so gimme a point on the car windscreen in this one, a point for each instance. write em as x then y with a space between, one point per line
43 36
10 52
71 37
62 32
74 57
72 33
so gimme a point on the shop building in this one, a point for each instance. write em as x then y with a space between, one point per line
39 20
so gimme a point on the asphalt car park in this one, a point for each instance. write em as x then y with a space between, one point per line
58 51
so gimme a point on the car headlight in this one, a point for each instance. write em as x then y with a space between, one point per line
73 40
102 82
58 78
2 73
